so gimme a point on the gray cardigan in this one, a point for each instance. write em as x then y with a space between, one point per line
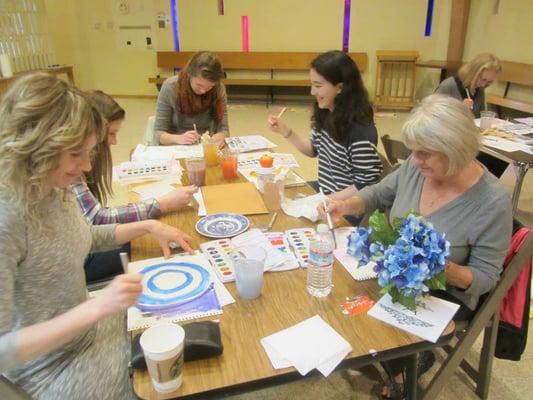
478 223
450 87
169 119
42 276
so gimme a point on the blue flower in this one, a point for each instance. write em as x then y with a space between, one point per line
418 255
359 245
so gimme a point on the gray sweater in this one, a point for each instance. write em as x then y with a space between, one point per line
169 119
42 276
450 87
478 223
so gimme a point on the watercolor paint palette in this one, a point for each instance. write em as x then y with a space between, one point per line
300 240
280 243
136 169
217 252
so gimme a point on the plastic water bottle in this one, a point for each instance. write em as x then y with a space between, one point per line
320 264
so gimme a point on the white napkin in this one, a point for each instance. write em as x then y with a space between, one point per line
305 207
202 211
309 344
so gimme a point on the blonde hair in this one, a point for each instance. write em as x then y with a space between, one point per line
99 178
40 116
443 124
470 72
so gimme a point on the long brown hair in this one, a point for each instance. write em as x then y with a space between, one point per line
205 65
99 178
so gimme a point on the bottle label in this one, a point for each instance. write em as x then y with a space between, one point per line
321 259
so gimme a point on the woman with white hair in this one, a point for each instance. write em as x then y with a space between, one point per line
470 82
444 183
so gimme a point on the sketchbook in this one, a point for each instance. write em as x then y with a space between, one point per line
180 288
358 272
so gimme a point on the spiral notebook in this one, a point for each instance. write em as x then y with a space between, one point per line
181 288
359 273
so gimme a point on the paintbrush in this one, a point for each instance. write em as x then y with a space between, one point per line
328 218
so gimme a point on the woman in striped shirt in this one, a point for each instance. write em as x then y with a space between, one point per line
343 133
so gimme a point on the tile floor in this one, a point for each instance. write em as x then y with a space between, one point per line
510 380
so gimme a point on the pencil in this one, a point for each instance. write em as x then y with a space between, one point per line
124 260
282 111
328 218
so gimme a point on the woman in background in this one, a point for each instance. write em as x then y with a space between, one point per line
95 188
193 102
55 341
343 136
470 82
469 86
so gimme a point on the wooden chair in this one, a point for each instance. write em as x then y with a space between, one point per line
395 150
486 319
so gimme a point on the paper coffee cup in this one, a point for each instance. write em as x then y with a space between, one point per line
163 351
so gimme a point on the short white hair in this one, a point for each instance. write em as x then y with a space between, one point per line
443 124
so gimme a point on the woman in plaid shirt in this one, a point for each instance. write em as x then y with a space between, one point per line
93 192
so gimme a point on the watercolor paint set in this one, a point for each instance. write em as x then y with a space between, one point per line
300 240
280 243
143 169
217 252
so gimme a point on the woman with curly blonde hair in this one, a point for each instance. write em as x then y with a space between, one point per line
55 342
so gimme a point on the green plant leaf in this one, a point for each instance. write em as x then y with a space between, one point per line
438 282
406 301
381 230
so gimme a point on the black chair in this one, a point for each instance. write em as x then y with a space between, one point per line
395 150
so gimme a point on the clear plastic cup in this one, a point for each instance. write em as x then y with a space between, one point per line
486 119
196 171
249 264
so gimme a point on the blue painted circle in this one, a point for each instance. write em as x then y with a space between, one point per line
201 284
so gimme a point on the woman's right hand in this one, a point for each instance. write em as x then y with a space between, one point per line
121 293
189 137
176 199
336 208
469 103
278 126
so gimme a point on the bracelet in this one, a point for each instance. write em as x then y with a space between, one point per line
289 134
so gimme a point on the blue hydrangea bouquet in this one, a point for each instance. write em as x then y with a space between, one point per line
410 256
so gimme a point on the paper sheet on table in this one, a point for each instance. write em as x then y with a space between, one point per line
305 207
309 344
202 212
256 238
153 191
251 160
504 144
431 318
350 263
242 144
145 153
525 120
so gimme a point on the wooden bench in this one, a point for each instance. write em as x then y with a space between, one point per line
271 62
513 73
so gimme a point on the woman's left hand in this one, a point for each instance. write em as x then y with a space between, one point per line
167 236
219 138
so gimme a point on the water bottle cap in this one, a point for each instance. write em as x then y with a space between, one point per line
322 228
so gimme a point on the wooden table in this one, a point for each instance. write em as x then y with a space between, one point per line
284 302
522 160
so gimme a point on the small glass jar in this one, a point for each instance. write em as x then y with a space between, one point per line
264 175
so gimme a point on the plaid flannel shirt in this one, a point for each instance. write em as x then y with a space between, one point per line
95 214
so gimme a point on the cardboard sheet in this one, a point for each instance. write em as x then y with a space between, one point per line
239 198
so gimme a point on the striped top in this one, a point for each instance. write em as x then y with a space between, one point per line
353 162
